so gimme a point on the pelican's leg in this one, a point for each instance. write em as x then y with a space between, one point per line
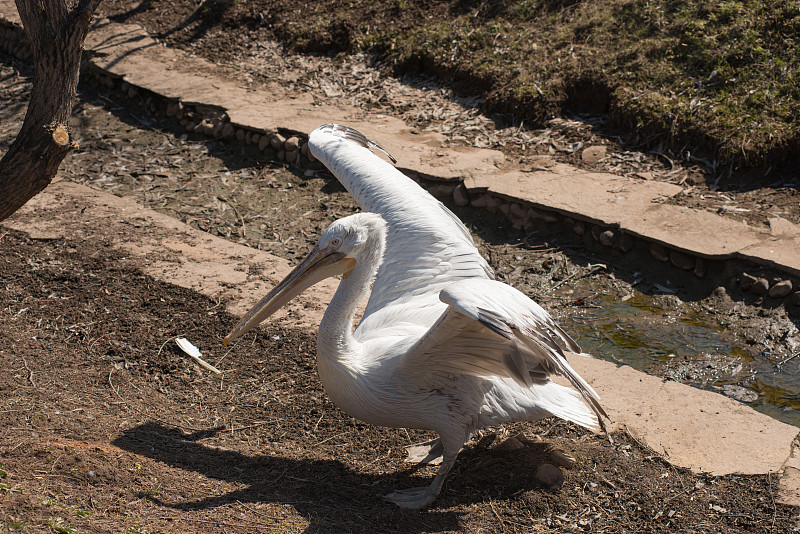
429 452
416 498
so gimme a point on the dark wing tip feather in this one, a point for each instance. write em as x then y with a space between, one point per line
357 137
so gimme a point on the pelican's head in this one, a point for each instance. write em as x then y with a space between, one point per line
338 250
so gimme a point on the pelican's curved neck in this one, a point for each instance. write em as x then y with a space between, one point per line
335 340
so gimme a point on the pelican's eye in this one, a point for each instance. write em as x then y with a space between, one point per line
336 241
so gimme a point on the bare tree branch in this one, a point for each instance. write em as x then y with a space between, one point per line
56 34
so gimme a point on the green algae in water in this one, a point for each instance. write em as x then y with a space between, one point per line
640 333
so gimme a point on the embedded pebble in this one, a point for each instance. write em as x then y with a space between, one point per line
796 298
579 228
626 242
517 211
681 261
277 141
606 238
659 252
460 195
700 268
781 289
509 445
593 154
760 286
549 476
292 144
562 459
746 281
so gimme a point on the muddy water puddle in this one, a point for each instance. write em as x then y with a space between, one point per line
689 348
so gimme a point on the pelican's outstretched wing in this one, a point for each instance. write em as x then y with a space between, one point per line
427 247
492 329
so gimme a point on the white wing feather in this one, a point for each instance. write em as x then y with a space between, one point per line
492 329
427 247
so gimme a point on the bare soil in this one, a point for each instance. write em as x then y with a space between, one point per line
107 427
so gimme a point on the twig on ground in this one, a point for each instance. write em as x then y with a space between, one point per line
30 372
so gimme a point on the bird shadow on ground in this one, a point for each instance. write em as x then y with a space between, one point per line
328 492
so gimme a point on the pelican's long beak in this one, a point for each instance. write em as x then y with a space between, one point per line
317 266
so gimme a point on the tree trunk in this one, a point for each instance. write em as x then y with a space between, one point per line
56 34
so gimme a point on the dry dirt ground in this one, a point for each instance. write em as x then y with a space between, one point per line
108 428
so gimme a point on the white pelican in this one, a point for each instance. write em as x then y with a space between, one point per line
442 345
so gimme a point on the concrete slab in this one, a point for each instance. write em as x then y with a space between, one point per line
700 430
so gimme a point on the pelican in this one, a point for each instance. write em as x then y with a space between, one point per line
441 345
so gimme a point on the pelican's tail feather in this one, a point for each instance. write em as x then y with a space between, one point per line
567 404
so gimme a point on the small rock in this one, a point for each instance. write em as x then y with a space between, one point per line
484 201
681 261
549 476
217 130
189 126
746 281
579 228
460 195
760 286
509 445
564 460
206 127
304 149
292 144
549 217
248 138
781 289
626 242
228 131
659 252
593 154
263 143
700 268
277 141
795 300
255 139
281 155
291 156
607 238
241 135
516 211
172 109
739 393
